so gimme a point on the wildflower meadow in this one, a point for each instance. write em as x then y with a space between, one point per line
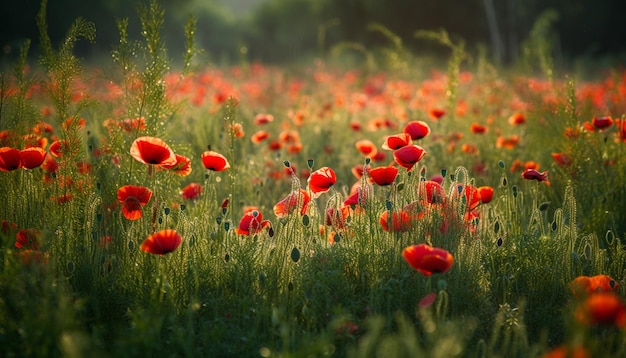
364 204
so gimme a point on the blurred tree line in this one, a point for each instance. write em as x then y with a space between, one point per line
290 30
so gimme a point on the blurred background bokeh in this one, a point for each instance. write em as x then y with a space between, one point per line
284 31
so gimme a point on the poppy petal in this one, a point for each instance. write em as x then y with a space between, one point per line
162 242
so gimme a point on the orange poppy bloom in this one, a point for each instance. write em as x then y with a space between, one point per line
252 223
295 199
366 147
151 150
321 180
289 136
533 174
397 141
130 125
585 285
133 198
383 175
191 191
408 156
214 161
9 159
571 133
161 242
427 259
517 119
259 136
469 148
602 122
562 159
417 129
602 308
478 128
182 166
237 130
42 127
485 193
294 148
32 157
400 221
507 142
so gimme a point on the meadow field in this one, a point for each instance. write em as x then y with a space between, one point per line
367 204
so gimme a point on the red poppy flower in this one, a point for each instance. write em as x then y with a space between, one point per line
433 191
359 196
275 145
366 147
133 198
400 221
396 141
562 159
583 286
472 196
32 157
602 122
161 242
263 118
251 223
383 175
191 191
58 148
28 239
182 166
321 180
436 113
294 200
151 150
565 351
358 170
408 156
478 128
417 129
214 161
9 159
427 300
517 119
602 308
533 174
485 193
427 259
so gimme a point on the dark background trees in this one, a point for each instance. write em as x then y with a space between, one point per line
288 30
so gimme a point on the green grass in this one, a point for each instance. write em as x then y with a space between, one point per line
290 291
